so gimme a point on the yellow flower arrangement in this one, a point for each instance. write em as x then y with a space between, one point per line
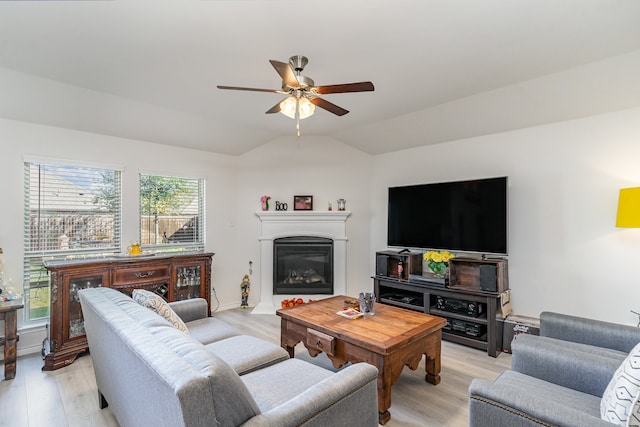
438 261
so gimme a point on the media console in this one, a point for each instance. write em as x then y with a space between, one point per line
470 311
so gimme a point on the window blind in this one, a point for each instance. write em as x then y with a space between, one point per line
171 213
69 211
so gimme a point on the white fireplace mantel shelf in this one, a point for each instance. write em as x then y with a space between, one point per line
278 216
276 224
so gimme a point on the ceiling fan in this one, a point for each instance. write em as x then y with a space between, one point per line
303 94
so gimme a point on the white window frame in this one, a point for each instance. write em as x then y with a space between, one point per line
164 240
40 200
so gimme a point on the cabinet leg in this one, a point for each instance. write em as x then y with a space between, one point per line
10 345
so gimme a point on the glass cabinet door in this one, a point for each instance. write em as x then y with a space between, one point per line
187 282
74 310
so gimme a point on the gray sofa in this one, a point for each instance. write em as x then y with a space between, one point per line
150 373
557 378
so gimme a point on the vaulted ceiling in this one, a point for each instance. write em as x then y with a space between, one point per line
442 69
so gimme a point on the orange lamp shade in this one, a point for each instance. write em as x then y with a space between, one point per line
629 208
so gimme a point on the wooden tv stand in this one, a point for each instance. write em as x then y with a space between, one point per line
482 331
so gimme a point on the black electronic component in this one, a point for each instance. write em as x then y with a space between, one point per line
452 305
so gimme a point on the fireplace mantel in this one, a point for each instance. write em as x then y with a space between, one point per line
276 224
303 216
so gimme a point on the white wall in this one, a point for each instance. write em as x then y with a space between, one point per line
565 252
322 167
318 166
18 139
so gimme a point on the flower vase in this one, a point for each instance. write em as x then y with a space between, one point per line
438 262
440 274
439 269
265 202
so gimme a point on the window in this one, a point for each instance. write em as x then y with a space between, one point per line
171 213
70 211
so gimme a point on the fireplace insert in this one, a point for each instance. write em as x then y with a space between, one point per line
303 265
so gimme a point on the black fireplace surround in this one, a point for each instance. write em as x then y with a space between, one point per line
303 265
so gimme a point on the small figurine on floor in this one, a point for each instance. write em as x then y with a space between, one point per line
245 286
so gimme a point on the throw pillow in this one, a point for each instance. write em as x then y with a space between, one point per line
159 305
634 415
619 397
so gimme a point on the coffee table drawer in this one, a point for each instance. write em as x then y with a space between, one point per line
321 341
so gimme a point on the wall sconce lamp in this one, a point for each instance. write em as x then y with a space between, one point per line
629 208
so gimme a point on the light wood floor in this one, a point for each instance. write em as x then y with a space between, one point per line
68 396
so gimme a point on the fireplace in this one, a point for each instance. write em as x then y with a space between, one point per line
281 224
303 265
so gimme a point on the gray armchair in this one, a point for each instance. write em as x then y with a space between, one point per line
557 378
612 337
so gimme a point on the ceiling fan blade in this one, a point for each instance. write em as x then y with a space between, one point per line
274 109
249 88
286 73
333 108
346 87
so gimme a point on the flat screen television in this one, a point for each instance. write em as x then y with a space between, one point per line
469 216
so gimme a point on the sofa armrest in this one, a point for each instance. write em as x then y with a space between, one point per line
190 309
349 395
589 331
562 363
493 405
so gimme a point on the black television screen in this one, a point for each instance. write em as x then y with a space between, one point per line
468 216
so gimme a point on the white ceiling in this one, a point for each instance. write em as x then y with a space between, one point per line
442 69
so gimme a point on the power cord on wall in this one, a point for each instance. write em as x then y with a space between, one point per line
215 295
213 292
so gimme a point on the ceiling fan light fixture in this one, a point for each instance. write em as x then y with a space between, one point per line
305 108
288 107
303 93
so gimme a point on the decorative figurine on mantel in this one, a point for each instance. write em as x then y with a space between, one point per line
265 202
245 286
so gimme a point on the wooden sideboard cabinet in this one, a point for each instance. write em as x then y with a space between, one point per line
174 277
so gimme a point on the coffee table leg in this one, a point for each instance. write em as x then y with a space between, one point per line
289 347
384 395
290 350
286 342
431 377
432 364
389 371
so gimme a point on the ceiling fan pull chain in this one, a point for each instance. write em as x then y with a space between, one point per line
298 114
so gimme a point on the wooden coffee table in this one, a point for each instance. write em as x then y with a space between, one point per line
389 340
